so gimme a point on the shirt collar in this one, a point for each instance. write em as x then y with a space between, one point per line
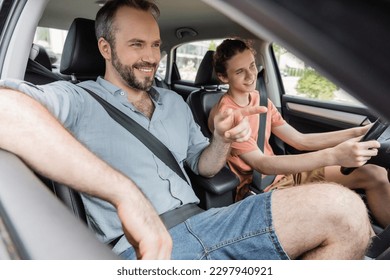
114 90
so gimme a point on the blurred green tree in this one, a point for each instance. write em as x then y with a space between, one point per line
315 86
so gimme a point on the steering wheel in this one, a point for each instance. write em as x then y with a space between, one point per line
373 133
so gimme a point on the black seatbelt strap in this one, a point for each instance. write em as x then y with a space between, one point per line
171 218
148 139
263 102
258 181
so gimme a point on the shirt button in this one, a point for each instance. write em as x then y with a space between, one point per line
122 93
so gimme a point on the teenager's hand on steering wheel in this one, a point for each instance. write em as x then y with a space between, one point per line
353 153
375 130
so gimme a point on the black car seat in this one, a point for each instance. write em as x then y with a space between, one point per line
39 68
81 60
39 54
202 100
39 71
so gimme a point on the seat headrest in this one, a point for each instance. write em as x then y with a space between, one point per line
81 56
206 75
39 54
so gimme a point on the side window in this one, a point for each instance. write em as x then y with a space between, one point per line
302 80
162 67
189 56
53 41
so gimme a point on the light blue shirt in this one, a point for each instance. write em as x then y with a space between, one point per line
172 123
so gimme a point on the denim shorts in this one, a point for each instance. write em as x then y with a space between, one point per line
242 231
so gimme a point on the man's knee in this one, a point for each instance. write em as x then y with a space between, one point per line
330 198
348 216
322 202
344 204
324 212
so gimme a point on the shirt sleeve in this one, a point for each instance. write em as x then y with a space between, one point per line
276 117
239 148
61 98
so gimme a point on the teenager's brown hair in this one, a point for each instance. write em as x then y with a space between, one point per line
226 50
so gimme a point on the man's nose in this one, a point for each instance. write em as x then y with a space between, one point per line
150 55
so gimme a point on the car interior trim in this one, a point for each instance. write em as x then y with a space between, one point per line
353 119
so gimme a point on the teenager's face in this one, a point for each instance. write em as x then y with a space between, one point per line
241 72
136 53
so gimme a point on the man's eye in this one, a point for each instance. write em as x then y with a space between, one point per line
138 45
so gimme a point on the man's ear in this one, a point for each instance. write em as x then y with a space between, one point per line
223 78
104 48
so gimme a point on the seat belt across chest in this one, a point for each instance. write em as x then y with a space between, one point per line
147 138
259 182
172 217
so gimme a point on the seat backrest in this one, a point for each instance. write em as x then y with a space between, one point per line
39 68
39 54
81 58
201 101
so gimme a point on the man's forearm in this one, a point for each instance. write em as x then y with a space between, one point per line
213 158
28 130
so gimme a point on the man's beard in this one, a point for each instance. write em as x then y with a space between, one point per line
127 73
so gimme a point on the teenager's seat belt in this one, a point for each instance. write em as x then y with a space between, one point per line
258 182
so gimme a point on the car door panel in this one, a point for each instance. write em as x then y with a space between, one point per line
37 223
311 116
